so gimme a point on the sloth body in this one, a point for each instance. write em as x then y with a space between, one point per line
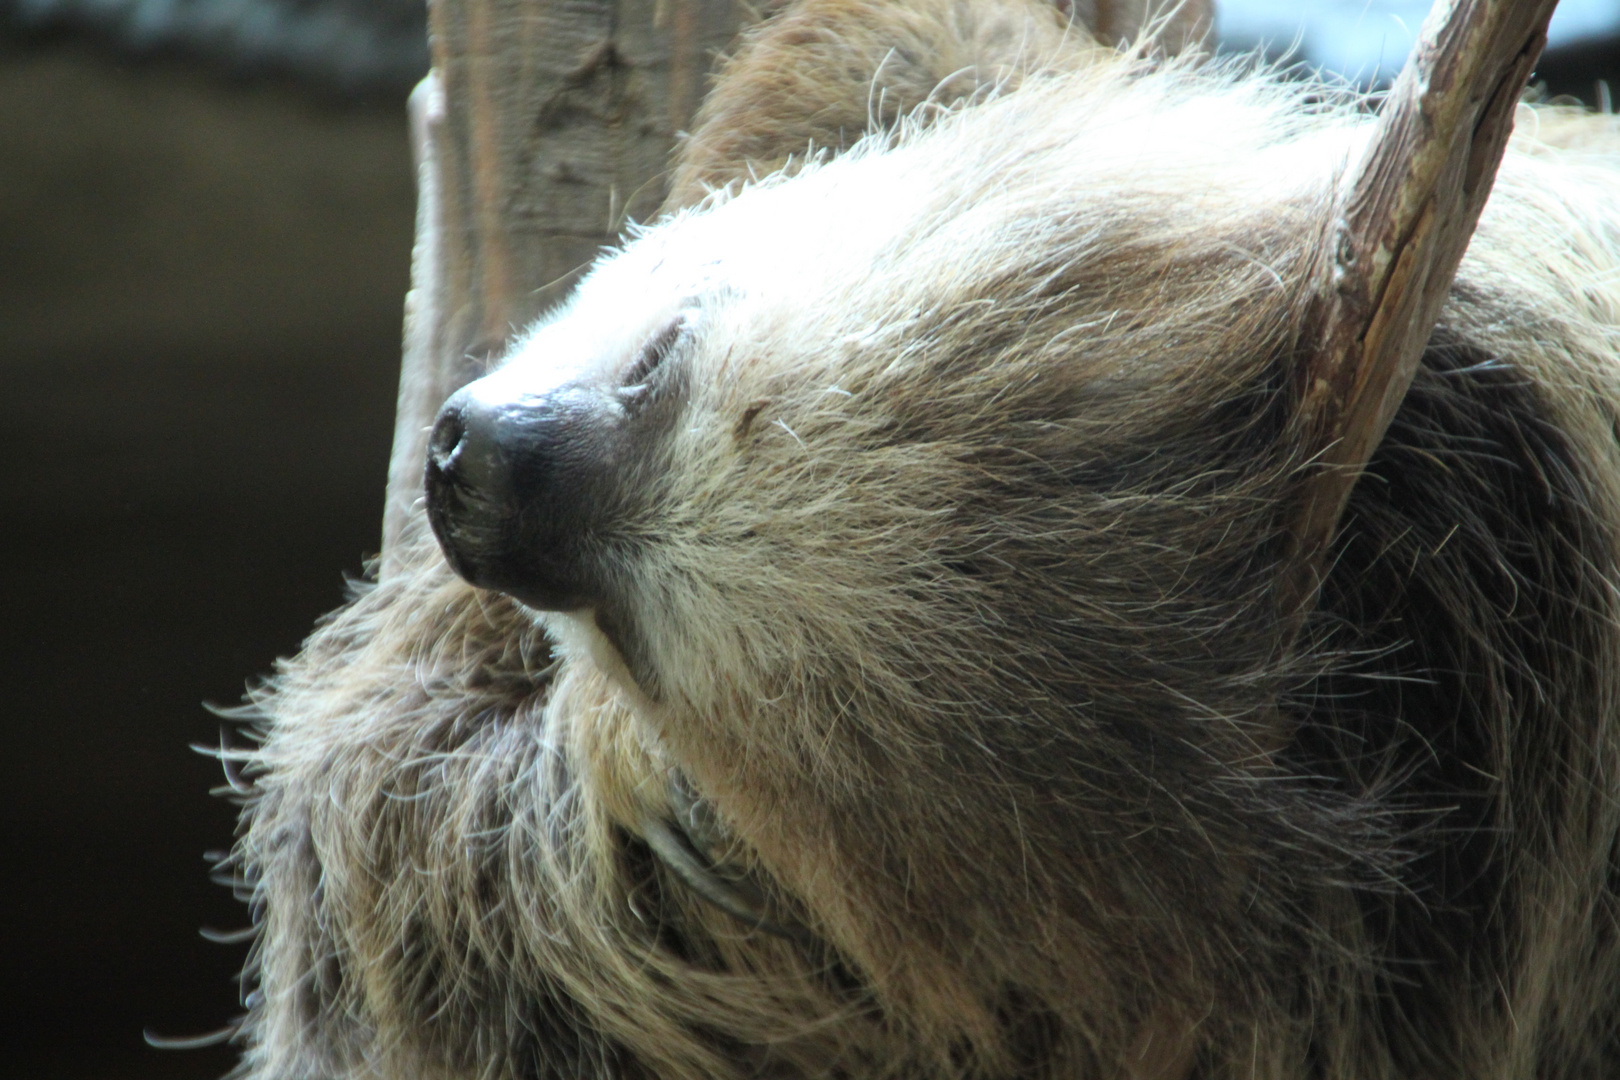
899 688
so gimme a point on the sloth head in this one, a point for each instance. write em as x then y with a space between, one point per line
955 455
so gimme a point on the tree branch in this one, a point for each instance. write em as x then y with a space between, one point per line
1406 214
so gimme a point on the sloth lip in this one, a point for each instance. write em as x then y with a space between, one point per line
732 890
615 630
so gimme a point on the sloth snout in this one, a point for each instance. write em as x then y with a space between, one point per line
516 488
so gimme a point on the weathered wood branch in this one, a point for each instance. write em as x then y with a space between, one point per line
542 129
1406 214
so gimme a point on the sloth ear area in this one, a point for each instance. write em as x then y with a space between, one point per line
817 75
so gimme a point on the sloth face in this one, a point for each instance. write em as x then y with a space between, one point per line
813 447
957 460
710 434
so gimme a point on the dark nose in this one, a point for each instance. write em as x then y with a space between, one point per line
517 488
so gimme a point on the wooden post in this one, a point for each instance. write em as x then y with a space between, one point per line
543 128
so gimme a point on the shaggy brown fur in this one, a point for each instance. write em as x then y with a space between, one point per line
940 629
827 70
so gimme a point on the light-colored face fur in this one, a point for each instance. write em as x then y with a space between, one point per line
939 564
932 460
944 563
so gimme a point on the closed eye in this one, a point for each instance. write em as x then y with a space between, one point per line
638 380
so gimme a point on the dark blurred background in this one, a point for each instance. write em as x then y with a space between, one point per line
205 225
205 229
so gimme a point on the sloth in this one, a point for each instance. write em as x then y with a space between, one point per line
854 646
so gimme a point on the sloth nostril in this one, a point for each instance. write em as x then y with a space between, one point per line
448 437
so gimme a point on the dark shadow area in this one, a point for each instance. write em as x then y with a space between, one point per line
1584 71
349 48
201 296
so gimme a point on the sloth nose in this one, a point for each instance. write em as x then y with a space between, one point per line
515 489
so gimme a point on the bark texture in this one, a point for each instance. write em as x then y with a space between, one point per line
1407 212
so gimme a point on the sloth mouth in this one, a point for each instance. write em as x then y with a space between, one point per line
627 657
685 842
690 840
